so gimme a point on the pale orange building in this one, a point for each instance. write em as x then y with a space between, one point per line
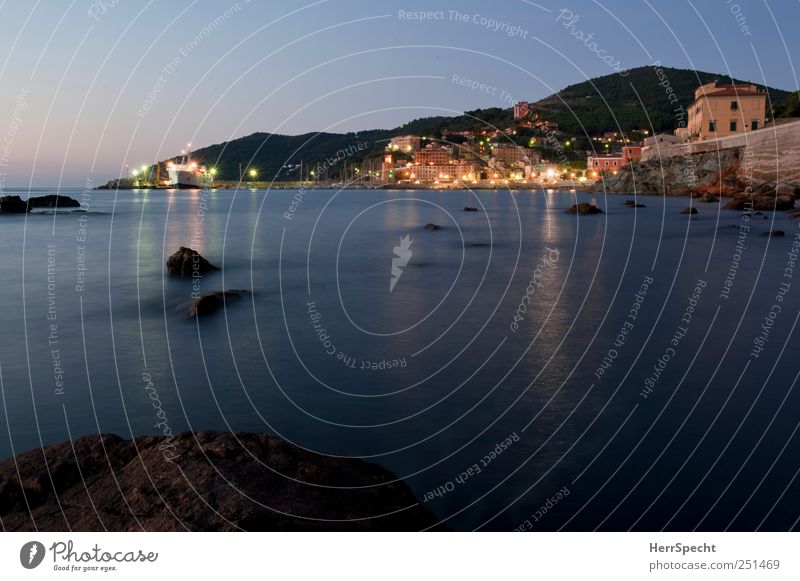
721 110
434 153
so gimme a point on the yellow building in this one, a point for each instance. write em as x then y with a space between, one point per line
721 110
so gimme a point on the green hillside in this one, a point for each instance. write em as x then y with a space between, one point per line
269 153
610 103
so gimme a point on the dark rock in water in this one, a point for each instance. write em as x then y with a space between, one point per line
186 262
786 189
13 205
584 209
793 214
709 199
430 226
201 481
210 302
762 199
53 201
633 204
689 211
470 209
774 233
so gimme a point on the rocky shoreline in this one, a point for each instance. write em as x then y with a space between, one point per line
201 481
705 175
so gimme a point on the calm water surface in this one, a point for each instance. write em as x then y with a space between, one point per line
628 380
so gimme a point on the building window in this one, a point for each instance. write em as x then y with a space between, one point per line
754 124
734 105
615 163
733 125
712 126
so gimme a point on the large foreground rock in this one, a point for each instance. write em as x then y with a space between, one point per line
187 262
213 482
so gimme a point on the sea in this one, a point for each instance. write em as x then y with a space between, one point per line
519 367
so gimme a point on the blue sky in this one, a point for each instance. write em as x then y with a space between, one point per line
88 86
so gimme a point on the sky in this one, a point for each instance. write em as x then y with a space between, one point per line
88 86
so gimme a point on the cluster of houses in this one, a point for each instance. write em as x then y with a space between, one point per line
445 162
718 110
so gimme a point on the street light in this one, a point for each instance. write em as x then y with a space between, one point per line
253 174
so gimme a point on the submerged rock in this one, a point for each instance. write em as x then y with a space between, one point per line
470 209
210 302
186 262
633 204
689 211
584 209
201 481
430 226
774 233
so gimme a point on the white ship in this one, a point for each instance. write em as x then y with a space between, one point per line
189 174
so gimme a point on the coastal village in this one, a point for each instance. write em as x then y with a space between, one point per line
718 111
531 152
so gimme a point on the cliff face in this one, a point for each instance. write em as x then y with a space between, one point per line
763 163
716 173
204 481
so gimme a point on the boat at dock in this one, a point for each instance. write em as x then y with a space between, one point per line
188 174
